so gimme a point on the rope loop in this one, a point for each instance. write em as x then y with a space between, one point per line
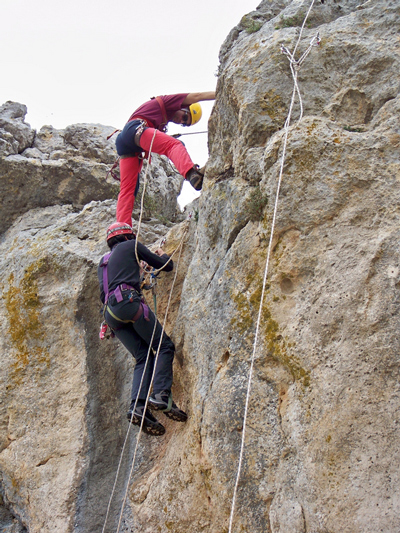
294 66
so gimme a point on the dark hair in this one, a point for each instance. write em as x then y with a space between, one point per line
119 238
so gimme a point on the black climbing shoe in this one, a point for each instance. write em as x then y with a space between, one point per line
151 426
162 401
195 178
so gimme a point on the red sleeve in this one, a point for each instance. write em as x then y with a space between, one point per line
151 110
173 103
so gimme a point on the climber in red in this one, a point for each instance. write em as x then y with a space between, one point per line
145 131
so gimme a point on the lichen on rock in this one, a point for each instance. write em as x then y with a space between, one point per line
322 434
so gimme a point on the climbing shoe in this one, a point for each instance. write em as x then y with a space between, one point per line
195 178
162 401
151 426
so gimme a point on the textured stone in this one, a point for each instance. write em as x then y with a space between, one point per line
15 134
322 440
70 167
64 393
321 448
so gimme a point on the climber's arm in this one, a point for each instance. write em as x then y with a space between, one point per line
193 98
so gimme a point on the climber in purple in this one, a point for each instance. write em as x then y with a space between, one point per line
133 323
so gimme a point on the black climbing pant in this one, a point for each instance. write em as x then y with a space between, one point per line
136 337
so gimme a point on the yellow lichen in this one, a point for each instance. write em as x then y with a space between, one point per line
243 321
277 348
272 105
24 326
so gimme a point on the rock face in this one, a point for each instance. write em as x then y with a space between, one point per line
64 392
322 438
68 167
52 412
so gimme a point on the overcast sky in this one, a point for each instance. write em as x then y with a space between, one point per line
97 60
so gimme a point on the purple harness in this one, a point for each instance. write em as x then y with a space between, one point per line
143 308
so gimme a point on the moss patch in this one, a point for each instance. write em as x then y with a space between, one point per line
278 348
243 321
248 303
250 24
255 205
25 328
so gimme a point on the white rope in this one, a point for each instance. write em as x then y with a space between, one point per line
135 404
155 271
151 382
128 431
143 193
148 353
147 359
294 66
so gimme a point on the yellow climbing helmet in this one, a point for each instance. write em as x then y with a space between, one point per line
195 111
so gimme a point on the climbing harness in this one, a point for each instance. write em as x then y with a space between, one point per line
105 331
294 66
141 123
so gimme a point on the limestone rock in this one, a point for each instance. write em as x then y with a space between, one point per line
15 134
163 185
65 393
322 434
321 448
70 167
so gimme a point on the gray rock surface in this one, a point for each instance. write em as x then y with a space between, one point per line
69 166
322 442
64 392
15 134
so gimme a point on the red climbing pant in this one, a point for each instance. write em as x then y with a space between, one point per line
130 167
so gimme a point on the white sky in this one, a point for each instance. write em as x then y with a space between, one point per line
97 60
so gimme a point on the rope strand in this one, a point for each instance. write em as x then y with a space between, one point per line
151 383
180 246
286 128
143 192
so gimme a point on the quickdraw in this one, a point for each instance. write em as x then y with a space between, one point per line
111 170
148 278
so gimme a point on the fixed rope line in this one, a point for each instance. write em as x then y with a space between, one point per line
294 70
156 271
295 67
180 246
143 192
151 382
128 432
147 358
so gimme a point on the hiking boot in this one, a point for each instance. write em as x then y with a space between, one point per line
151 426
195 178
162 401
